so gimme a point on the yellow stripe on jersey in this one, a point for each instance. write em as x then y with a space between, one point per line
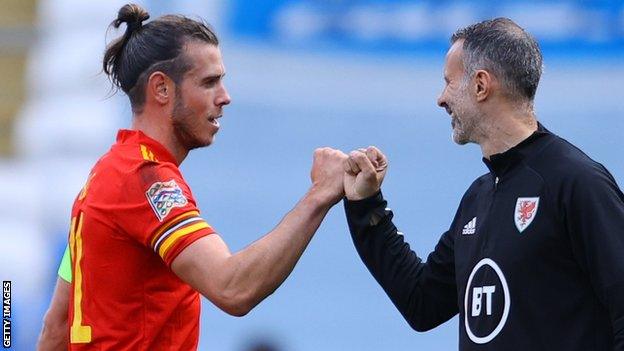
79 333
147 154
163 228
171 239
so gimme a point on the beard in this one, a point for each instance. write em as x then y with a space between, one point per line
464 120
183 117
462 130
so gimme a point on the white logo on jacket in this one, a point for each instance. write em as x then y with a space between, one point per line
526 210
470 227
481 305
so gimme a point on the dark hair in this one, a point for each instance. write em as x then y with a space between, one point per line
505 49
155 46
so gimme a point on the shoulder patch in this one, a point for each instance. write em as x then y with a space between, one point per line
164 196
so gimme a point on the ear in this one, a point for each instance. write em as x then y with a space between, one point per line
483 86
160 87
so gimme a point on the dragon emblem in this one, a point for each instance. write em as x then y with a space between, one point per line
526 208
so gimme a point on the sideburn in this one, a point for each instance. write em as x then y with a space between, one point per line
181 118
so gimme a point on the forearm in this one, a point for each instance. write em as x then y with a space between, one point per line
52 338
236 283
54 333
256 271
424 293
393 265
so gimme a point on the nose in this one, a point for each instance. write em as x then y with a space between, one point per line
223 98
442 101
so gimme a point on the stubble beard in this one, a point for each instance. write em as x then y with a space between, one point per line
465 119
182 117
461 130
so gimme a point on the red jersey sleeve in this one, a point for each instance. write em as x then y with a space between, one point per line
159 211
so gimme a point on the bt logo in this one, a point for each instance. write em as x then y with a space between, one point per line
486 302
477 294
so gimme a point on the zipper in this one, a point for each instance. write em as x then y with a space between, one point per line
486 224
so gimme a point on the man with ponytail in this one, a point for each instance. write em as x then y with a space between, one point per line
140 253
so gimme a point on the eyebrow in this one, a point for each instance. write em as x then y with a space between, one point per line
213 77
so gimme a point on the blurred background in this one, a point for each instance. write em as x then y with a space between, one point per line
302 74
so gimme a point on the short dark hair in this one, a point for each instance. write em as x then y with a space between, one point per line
155 46
505 49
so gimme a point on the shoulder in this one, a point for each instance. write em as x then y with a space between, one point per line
561 161
124 173
569 172
139 168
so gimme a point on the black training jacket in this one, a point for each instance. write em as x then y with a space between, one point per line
533 260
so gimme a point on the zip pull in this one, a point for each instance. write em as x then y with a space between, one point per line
496 182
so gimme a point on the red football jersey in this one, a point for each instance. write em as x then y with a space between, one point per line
134 215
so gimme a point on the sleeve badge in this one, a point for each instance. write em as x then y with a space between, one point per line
164 196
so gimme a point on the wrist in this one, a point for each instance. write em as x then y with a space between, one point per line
366 212
361 193
320 196
373 198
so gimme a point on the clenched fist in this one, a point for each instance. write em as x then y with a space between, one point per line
365 170
327 174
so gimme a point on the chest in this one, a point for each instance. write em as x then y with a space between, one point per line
514 221
510 243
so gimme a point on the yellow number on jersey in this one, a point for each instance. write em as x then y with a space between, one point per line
79 334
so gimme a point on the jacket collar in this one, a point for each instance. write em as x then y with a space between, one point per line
500 164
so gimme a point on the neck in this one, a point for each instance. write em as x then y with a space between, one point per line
507 130
162 133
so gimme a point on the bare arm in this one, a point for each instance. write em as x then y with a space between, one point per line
54 332
236 283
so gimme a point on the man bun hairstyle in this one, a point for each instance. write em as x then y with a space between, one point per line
504 48
133 15
146 48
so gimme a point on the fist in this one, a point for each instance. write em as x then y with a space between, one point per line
365 170
327 174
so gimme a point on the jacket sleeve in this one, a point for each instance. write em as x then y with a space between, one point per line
594 215
424 292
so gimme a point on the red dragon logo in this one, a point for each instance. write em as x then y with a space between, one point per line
526 208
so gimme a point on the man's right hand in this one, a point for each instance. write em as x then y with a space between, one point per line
327 174
365 170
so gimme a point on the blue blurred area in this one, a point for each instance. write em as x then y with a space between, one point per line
563 27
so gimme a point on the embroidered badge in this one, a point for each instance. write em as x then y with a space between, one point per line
526 209
164 196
